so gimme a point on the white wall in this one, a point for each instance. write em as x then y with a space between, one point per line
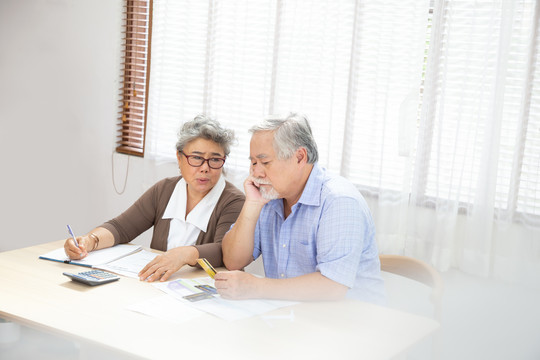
59 78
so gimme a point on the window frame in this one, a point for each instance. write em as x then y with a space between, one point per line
135 77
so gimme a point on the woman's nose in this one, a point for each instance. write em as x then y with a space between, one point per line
204 167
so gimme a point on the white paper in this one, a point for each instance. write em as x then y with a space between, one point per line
182 287
226 309
130 265
239 309
98 257
166 307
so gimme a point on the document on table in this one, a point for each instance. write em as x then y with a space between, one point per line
129 265
239 309
225 309
166 307
94 258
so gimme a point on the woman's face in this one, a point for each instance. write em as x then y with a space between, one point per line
200 180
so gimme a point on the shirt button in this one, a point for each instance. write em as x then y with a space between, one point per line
282 275
284 245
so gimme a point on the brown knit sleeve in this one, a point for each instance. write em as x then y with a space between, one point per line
143 214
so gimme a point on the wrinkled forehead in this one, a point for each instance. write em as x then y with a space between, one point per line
259 157
261 144
205 147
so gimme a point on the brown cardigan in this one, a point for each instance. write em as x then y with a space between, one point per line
148 211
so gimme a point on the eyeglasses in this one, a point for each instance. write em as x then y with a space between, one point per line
197 161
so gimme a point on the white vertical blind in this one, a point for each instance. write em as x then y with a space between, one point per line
528 137
464 109
483 123
356 69
215 58
241 67
313 67
431 107
176 92
386 77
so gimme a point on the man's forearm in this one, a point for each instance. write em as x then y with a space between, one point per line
309 287
237 244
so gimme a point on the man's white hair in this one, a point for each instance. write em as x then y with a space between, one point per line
290 133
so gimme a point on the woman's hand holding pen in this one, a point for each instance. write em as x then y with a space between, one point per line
163 266
78 252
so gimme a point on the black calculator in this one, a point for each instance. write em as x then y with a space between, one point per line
93 277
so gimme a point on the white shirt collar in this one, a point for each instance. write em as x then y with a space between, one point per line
199 216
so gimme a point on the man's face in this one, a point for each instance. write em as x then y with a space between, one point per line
273 176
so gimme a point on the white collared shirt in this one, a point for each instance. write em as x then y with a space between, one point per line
184 230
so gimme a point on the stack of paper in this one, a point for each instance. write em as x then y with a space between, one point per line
94 258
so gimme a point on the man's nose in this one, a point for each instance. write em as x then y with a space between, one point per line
258 171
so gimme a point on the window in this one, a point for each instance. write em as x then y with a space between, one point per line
479 131
135 77
458 122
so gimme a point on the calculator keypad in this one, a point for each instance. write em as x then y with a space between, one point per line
93 277
97 274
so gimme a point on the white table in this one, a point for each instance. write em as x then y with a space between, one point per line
34 292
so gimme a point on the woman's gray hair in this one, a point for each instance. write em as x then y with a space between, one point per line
290 134
203 127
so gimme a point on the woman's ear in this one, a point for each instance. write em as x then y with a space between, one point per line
178 158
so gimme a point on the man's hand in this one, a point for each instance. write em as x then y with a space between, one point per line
236 285
238 243
253 191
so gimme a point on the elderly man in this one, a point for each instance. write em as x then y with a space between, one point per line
313 230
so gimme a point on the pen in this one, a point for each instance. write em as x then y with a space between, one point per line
73 236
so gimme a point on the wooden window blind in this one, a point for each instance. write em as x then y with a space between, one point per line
135 77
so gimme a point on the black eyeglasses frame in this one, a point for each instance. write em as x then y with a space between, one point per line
204 160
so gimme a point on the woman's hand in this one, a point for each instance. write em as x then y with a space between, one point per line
77 253
163 266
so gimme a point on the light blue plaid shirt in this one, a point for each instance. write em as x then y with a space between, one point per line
330 230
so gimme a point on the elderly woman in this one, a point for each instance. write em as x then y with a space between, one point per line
190 213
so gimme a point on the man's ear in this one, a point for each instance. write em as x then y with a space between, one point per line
301 155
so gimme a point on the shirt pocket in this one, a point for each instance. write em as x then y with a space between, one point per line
305 256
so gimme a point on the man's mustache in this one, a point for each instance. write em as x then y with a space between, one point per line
260 181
